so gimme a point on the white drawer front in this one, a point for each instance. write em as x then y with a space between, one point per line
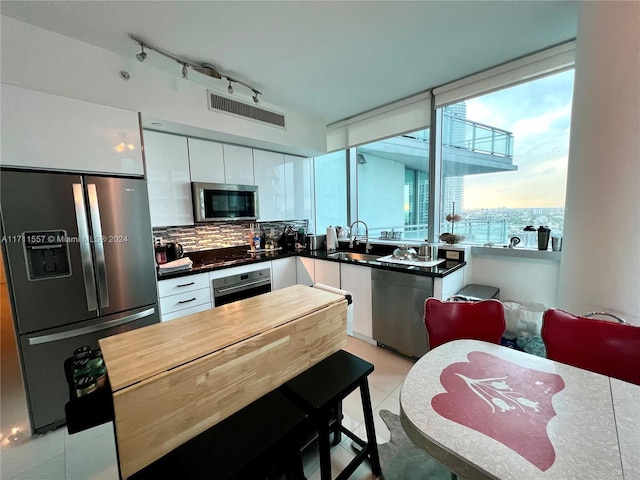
186 311
173 286
181 301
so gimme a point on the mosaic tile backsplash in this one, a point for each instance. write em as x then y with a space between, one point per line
220 234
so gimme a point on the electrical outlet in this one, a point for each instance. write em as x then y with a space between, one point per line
453 255
157 240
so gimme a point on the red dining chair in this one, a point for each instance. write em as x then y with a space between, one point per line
447 321
601 346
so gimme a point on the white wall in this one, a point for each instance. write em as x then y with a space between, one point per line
40 60
520 279
601 257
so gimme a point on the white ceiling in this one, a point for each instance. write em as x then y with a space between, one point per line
327 59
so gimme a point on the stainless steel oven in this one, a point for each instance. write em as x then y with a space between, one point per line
241 285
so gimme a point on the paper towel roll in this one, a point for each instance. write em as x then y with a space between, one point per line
332 239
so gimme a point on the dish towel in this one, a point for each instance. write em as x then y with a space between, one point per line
179 265
347 295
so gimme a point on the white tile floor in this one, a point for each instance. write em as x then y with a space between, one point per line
91 455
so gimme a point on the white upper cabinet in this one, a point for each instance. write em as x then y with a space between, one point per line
206 160
213 162
298 187
270 179
169 182
40 130
238 165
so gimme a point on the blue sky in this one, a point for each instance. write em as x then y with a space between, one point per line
538 114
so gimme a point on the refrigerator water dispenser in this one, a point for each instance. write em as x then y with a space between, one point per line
47 255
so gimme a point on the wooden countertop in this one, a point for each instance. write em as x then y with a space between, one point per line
139 354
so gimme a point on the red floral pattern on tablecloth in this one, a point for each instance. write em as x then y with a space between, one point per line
507 402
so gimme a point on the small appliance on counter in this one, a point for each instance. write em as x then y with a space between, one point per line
315 242
174 251
288 240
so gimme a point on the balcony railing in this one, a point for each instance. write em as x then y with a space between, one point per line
476 137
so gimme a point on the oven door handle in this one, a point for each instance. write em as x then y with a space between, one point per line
224 290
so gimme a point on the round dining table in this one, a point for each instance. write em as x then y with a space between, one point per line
490 412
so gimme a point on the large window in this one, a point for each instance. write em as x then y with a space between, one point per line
392 179
503 167
330 173
504 160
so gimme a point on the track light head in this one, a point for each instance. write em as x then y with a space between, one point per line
230 88
255 97
185 72
142 55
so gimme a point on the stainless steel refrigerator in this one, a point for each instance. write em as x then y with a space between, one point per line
80 267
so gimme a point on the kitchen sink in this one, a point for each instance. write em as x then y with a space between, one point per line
353 256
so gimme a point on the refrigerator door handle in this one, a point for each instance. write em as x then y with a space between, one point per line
101 264
52 337
85 247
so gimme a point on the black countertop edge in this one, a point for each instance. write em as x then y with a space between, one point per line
250 259
439 271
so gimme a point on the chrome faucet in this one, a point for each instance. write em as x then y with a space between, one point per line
354 235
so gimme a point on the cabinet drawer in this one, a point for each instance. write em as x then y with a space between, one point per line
173 286
181 301
186 311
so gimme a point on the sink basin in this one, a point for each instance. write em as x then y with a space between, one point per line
353 256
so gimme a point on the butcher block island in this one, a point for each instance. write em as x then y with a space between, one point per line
172 381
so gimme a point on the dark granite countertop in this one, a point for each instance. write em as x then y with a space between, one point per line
220 258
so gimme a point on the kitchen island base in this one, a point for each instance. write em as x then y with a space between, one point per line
174 380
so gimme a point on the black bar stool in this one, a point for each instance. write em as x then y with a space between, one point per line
319 391
260 441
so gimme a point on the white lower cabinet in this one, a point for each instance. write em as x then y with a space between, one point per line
357 280
327 273
184 295
305 271
444 288
283 273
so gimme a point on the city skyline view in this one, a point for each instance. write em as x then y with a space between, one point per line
538 113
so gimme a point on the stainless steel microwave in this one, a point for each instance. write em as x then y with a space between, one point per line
221 201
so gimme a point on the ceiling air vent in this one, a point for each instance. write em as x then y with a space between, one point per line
227 105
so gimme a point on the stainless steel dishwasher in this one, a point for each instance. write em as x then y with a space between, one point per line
398 310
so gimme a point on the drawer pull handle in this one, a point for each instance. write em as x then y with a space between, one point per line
187 301
186 284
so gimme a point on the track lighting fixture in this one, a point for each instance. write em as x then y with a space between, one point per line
142 55
204 68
